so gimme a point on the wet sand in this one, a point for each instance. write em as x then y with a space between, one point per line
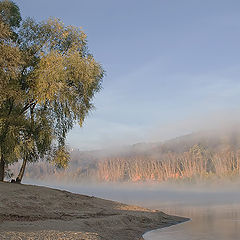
33 212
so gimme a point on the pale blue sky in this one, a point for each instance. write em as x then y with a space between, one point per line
171 64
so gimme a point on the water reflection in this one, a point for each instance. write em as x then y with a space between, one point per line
220 222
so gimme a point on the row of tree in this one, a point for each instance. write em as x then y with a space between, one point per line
197 163
47 81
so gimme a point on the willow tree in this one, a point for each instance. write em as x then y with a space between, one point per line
48 81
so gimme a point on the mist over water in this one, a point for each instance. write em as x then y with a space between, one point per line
214 209
149 194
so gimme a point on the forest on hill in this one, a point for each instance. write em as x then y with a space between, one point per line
198 156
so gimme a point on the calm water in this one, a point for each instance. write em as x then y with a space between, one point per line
208 223
215 214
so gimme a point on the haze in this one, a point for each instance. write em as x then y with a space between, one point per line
167 63
172 69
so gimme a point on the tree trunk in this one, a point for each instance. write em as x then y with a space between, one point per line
2 169
22 170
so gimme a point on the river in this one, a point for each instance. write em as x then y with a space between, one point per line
220 222
214 212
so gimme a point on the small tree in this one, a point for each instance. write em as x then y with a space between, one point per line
48 80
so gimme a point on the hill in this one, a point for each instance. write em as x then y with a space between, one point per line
197 156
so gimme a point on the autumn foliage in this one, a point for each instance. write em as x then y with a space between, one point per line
189 158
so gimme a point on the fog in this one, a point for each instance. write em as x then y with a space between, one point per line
158 131
212 208
156 194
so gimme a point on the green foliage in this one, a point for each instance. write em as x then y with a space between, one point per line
10 13
47 81
61 158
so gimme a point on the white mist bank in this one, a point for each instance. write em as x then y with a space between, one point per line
155 194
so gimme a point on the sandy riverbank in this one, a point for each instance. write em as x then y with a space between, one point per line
33 212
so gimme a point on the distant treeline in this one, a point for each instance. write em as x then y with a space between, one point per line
197 163
188 158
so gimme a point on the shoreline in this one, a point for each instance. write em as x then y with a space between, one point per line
34 212
187 219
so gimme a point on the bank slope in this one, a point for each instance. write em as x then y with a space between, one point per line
33 212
